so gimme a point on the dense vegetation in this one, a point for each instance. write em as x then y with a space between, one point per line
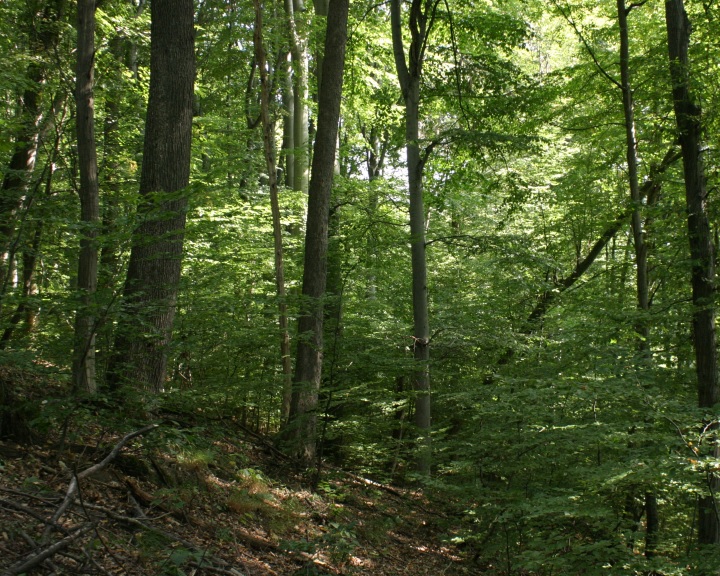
517 302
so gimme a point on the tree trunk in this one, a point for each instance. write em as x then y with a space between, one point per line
288 144
641 262
268 128
688 119
24 309
44 36
642 279
83 368
298 50
301 431
150 292
409 76
374 163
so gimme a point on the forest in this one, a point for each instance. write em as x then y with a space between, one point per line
348 261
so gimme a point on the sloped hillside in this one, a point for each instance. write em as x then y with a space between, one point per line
211 498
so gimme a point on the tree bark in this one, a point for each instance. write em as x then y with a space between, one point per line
150 291
43 35
688 119
298 51
288 144
409 75
83 368
301 431
642 279
641 255
268 128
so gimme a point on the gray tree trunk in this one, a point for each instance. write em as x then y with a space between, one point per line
641 249
288 143
301 430
268 128
409 75
641 262
298 50
688 119
150 292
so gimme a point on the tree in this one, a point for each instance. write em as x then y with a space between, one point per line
301 430
638 232
43 30
150 291
85 320
268 129
299 111
409 70
688 116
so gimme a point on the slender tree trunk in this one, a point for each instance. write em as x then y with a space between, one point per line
301 431
649 189
409 74
641 262
298 50
24 310
288 100
150 293
17 176
642 327
688 119
83 369
44 35
27 228
268 128
374 160
110 177
110 171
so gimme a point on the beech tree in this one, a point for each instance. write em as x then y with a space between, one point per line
301 430
409 68
268 129
547 211
297 116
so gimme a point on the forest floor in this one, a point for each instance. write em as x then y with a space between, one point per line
160 504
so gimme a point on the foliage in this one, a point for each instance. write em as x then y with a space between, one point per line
549 428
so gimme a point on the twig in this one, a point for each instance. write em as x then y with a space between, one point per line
589 49
73 487
145 525
30 512
40 557
215 570
709 476
33 546
31 496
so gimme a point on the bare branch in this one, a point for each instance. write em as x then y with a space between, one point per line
73 487
44 554
590 51
634 5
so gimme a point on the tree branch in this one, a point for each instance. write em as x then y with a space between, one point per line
590 51
39 557
398 47
74 483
